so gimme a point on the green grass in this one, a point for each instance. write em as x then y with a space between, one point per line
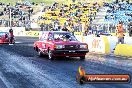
48 2
8 1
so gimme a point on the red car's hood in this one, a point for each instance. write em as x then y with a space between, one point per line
68 42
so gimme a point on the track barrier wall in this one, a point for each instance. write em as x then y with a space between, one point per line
106 44
18 31
97 44
113 41
79 36
100 45
123 50
32 33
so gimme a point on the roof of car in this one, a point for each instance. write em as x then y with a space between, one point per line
3 32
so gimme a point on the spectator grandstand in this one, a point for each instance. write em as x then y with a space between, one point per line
116 12
76 17
20 14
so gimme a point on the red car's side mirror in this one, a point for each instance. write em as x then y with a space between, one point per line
6 36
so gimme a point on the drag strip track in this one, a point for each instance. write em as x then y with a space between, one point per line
23 46
20 67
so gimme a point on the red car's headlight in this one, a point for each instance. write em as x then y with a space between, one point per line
59 46
84 46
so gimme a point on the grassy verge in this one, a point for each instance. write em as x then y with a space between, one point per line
48 2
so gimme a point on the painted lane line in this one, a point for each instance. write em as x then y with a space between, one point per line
5 81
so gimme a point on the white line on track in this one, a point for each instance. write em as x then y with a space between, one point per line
5 81
18 42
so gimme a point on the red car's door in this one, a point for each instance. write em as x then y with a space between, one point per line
6 38
43 41
49 42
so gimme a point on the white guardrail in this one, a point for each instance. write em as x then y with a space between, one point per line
96 44
101 45
18 31
104 44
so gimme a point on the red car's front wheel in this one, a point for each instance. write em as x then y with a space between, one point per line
40 54
82 58
50 55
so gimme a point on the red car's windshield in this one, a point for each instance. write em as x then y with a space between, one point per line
3 34
64 37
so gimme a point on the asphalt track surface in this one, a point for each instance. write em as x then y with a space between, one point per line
21 67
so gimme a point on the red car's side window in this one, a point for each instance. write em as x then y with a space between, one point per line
44 37
50 37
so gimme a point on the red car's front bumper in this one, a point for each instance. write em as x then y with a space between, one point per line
71 53
4 42
1 41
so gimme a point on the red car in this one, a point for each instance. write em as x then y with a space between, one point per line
4 38
60 44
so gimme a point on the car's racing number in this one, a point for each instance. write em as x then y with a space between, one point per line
44 45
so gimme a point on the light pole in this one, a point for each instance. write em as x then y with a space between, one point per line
10 18
29 16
